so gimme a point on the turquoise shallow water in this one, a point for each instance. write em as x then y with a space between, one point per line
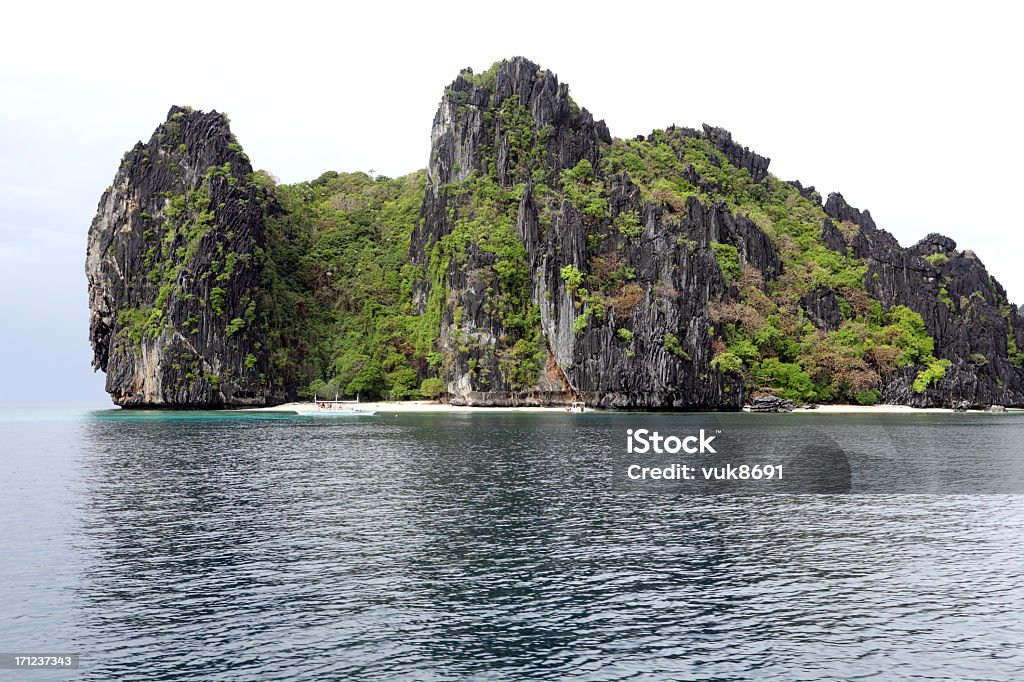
197 546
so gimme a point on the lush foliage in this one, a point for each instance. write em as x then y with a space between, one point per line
930 375
340 285
728 260
432 387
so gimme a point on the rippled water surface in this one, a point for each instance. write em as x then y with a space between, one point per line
507 546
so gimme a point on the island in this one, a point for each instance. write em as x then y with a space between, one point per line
537 260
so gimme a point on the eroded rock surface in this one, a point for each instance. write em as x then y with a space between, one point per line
174 267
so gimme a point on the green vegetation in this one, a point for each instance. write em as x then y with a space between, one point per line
937 259
788 378
432 388
655 167
137 324
868 397
728 260
846 364
580 323
573 277
930 376
1012 351
218 296
727 362
584 191
236 325
628 224
339 286
671 344
485 79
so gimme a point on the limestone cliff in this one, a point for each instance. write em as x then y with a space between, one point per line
174 270
672 271
637 331
964 309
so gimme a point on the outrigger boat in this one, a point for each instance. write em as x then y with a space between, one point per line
339 408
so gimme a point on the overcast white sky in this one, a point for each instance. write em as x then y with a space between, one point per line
911 110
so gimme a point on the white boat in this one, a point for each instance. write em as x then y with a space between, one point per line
577 406
339 408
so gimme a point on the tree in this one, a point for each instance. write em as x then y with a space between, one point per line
432 388
370 380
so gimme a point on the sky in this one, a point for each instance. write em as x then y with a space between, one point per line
911 110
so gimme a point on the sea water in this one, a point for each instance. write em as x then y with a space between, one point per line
226 546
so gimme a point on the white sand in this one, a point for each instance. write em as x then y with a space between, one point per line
406 406
874 409
384 407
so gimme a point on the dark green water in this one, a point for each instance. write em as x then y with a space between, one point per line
510 546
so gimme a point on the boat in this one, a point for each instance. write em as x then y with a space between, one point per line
577 406
339 408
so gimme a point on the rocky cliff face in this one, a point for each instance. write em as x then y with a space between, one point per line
659 271
174 269
964 309
612 307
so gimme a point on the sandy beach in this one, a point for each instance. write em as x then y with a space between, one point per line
394 407
876 409
420 406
